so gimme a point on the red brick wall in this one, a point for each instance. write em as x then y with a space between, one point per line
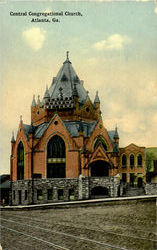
135 150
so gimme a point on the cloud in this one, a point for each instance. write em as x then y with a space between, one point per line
34 37
147 95
92 61
113 42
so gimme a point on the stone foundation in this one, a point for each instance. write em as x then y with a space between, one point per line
151 188
41 191
110 183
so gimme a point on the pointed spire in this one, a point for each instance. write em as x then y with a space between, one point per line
20 118
96 100
116 136
34 102
46 95
38 101
12 139
75 92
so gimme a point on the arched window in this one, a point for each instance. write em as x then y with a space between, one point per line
56 158
139 160
101 141
124 161
20 161
132 160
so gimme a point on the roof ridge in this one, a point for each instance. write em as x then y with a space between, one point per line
70 77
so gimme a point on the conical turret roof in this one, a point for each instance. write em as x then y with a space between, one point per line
116 136
66 80
96 100
46 95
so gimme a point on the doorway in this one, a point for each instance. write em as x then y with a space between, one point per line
140 182
99 169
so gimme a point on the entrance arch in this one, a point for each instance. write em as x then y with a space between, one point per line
99 191
99 168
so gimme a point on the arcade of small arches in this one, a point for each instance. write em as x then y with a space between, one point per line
131 160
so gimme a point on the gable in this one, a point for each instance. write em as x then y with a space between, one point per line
100 154
132 147
99 131
88 110
54 127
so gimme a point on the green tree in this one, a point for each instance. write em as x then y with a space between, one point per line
150 156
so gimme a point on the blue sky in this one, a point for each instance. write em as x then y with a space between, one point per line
113 48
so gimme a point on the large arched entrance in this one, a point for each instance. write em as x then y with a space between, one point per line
56 158
98 192
99 169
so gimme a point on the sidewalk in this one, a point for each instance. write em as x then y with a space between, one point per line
80 202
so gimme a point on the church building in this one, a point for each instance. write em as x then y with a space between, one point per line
66 153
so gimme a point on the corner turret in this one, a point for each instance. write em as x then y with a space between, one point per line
12 139
97 103
116 141
96 100
46 97
33 102
116 136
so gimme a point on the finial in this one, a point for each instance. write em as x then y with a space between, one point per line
67 55
67 58
20 118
